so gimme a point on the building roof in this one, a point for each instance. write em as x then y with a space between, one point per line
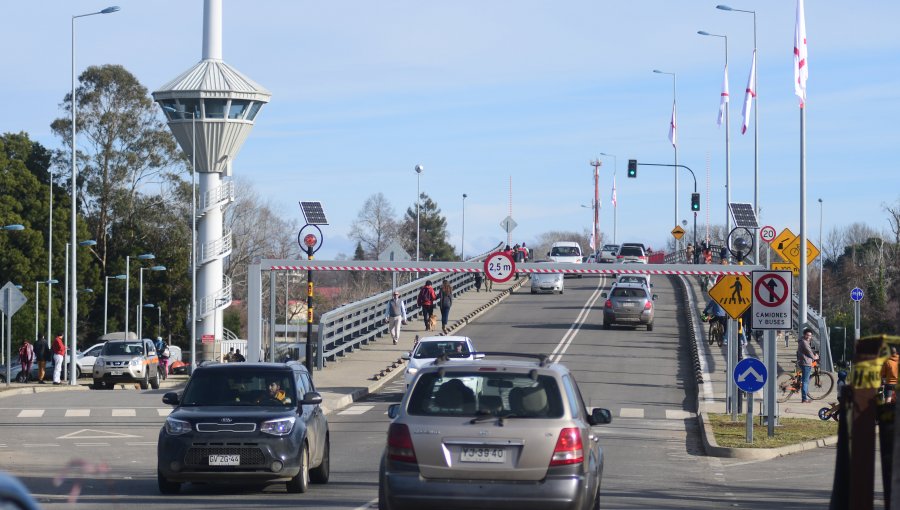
212 78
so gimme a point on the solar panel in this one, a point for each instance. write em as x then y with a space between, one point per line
743 215
313 213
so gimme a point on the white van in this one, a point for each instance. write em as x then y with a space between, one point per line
565 251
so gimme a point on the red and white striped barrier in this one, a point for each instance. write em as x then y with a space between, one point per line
527 268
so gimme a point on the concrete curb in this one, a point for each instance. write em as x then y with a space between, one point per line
330 405
31 389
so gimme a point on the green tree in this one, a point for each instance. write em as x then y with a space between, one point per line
433 235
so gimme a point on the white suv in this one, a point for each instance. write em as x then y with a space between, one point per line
127 361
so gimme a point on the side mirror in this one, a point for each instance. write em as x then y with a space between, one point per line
600 416
311 398
170 398
479 355
393 411
548 253
405 356
603 294
655 296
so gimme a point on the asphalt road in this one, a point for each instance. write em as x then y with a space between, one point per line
654 457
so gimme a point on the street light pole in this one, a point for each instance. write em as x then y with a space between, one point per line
73 296
755 125
614 200
50 261
727 140
71 342
462 250
419 170
821 261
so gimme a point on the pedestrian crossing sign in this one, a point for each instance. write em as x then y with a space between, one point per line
733 293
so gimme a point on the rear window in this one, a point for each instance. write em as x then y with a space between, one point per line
565 251
632 251
266 388
486 394
629 293
123 349
451 348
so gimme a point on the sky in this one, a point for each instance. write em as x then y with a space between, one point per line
529 92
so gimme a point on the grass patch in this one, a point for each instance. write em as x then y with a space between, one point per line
789 431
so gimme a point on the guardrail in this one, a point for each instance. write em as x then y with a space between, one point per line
348 327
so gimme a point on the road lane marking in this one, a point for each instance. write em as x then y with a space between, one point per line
95 434
91 444
563 345
81 413
124 413
629 412
31 413
142 443
360 409
164 412
39 445
678 414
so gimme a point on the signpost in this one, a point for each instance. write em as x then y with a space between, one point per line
732 292
677 232
499 267
750 375
394 252
771 310
508 225
10 301
856 295
792 252
786 266
767 234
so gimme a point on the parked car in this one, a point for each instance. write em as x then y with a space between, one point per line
87 358
607 253
239 422
429 348
510 433
127 361
628 303
631 253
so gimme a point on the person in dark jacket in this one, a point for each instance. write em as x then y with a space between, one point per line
426 301
42 354
805 358
445 299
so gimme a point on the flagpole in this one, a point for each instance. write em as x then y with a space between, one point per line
801 311
727 153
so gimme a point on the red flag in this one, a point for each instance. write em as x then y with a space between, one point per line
801 67
724 99
673 128
749 95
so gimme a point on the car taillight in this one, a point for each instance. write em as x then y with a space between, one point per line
648 305
608 304
400 446
569 449
619 256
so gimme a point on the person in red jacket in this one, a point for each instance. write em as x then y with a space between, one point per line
426 302
59 355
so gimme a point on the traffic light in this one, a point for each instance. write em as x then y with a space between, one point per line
695 202
632 168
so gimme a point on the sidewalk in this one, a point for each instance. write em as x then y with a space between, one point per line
354 376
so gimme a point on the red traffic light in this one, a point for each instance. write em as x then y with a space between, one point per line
310 240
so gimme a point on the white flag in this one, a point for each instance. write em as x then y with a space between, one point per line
673 128
801 67
614 192
749 95
724 99
592 243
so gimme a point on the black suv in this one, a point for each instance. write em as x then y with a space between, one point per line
248 422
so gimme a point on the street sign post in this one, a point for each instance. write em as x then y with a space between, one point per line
499 267
677 232
732 292
786 266
781 242
750 375
856 295
11 299
792 252
771 300
767 234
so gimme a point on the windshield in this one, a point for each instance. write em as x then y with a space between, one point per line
123 349
452 348
632 251
565 251
486 394
240 388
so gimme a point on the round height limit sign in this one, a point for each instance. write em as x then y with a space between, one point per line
771 307
499 267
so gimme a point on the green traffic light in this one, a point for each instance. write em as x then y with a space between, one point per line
632 168
695 202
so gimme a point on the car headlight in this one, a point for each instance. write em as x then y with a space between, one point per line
135 362
177 427
279 427
412 371
98 362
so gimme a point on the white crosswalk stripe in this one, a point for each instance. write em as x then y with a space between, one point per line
629 412
124 413
678 414
164 412
31 413
359 409
80 413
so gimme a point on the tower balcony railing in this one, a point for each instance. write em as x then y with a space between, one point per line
217 300
214 250
216 197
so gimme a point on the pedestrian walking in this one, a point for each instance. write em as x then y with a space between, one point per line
426 302
478 280
228 357
396 316
488 283
26 359
889 373
689 251
59 355
723 255
42 355
445 299
805 358
238 357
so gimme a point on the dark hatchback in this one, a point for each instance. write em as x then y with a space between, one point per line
247 422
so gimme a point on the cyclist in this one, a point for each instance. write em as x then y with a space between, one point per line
162 350
716 312
805 358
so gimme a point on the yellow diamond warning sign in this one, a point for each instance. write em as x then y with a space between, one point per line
677 232
792 252
733 293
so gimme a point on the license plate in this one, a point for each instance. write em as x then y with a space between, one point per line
494 455
224 460
116 372
627 305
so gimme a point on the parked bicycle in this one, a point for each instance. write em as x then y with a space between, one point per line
820 383
716 333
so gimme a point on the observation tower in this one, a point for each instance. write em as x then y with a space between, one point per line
211 107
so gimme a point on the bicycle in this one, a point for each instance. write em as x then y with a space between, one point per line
716 333
820 383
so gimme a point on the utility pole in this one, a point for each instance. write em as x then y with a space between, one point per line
596 164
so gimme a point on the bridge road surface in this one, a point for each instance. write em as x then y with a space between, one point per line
653 453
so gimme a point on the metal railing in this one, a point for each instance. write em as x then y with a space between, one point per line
214 249
216 300
216 196
348 327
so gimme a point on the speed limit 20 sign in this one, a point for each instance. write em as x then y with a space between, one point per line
767 234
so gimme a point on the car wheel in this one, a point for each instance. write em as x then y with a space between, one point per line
300 483
166 486
383 503
605 325
98 384
320 473
650 327
154 383
533 291
145 382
